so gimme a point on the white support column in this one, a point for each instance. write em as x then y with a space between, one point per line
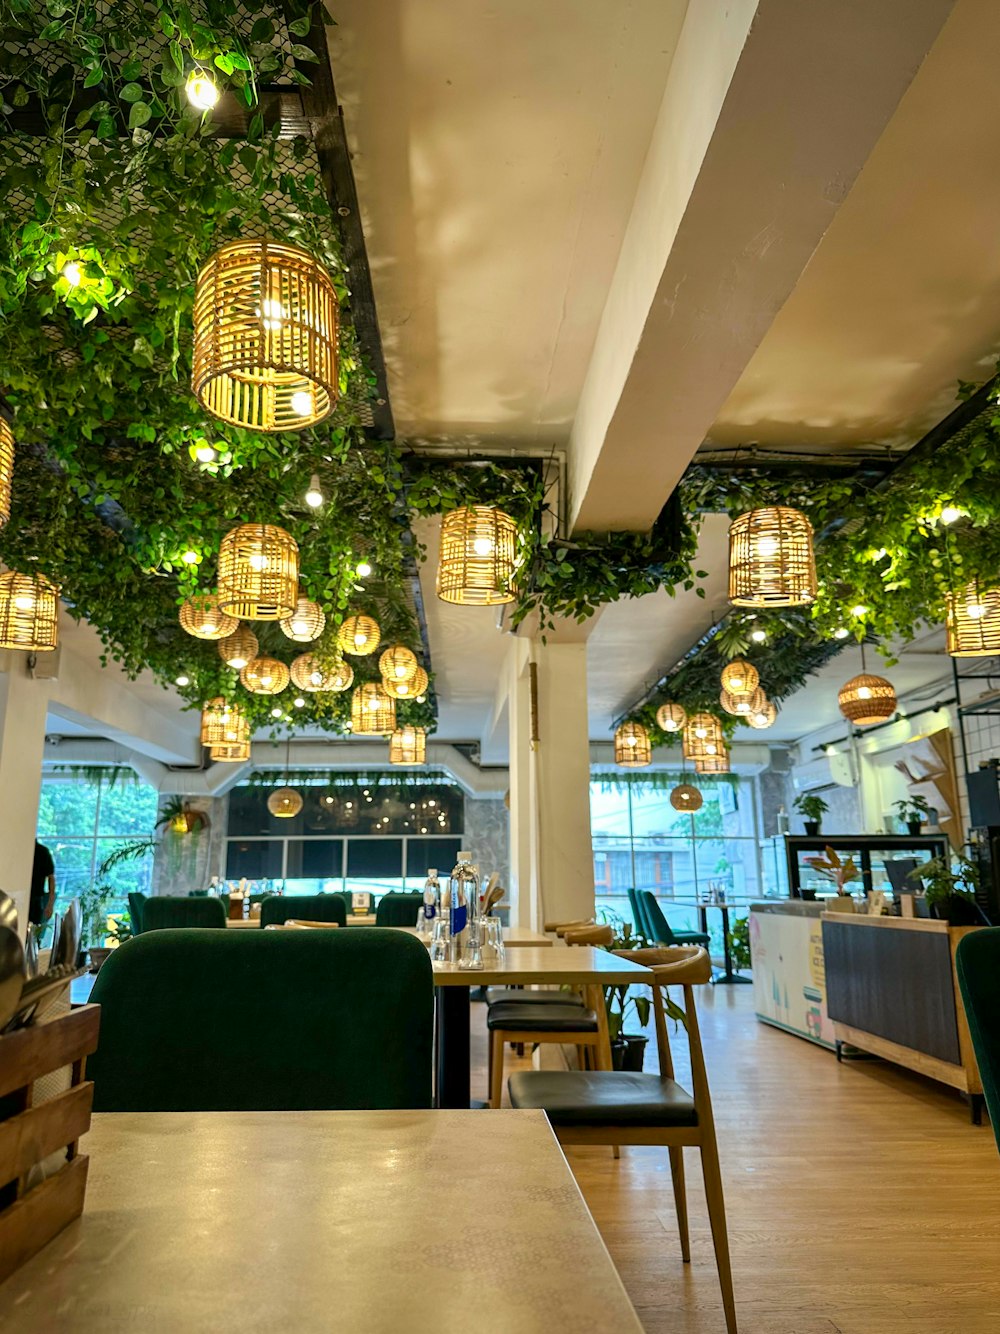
23 707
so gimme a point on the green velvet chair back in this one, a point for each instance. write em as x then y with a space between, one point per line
657 927
277 908
264 1021
136 899
164 913
398 909
977 962
637 913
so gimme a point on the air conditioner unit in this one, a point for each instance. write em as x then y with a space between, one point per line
44 666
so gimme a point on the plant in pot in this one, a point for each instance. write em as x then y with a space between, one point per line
913 811
812 809
951 894
94 904
840 873
627 1049
739 945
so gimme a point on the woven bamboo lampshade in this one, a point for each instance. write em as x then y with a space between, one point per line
29 613
265 337
258 572
671 717
684 797
407 689
239 648
306 623
702 736
284 802
867 699
359 635
398 663
973 622
742 705
308 672
373 712
6 468
223 723
265 676
478 557
230 752
771 561
201 616
739 677
763 718
408 745
632 746
713 764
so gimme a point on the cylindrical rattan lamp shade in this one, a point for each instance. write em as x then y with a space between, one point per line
633 749
740 678
867 699
310 673
284 802
763 718
230 752
684 797
771 561
258 572
223 723
702 736
201 616
239 648
265 676
359 635
412 689
265 337
742 705
6 468
713 764
671 717
373 712
478 557
398 663
29 613
973 622
408 745
306 623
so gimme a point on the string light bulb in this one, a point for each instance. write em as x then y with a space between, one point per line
314 496
71 272
201 90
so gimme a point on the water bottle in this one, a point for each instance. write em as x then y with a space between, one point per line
466 928
432 894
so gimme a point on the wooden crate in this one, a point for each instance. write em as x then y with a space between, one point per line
30 1218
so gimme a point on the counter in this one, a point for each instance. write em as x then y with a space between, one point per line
789 984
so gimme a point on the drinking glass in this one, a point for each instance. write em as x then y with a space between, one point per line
441 940
493 947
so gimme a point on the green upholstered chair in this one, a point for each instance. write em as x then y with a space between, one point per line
264 1021
398 909
637 914
659 930
163 913
977 962
278 908
136 899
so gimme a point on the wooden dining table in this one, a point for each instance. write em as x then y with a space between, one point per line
251 1222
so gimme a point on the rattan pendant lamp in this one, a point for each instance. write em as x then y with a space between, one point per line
671 717
239 648
478 557
408 745
285 802
398 663
29 613
771 562
412 689
713 764
761 719
633 749
265 337
310 673
258 573
373 711
741 706
265 676
230 752
867 699
685 797
306 623
201 616
740 677
359 636
703 737
972 624
223 723
6 468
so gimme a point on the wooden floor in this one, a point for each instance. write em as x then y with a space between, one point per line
860 1199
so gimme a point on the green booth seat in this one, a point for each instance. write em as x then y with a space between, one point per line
264 1021
977 962
278 908
136 900
659 930
165 913
398 909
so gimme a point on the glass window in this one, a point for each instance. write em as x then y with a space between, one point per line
315 858
254 859
423 853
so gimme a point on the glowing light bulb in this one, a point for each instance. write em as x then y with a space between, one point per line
631 741
736 685
859 610
482 546
432 803
841 633
767 547
238 662
403 689
742 706
273 312
190 558
300 627
209 628
421 698
400 672
302 403
711 748
257 561
759 636
183 680
671 725
864 692
266 680
206 454
314 496
71 272
349 805
24 602
275 713
950 513
364 569
299 702
359 640
701 733
373 705
760 719
975 611
831 750
316 678
201 90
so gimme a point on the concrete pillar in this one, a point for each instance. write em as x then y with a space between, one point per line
23 708
552 864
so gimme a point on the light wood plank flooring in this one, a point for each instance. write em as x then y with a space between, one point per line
860 1199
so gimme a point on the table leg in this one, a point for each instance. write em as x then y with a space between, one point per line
727 976
594 997
451 1015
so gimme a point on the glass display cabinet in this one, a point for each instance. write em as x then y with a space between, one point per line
884 860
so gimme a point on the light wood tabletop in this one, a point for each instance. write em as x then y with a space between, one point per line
579 965
313 1221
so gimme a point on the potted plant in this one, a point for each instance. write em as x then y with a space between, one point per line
94 903
913 811
628 1050
739 945
840 873
812 809
951 894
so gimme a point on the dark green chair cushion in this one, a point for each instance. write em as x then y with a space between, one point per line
525 1017
977 962
602 1098
166 913
278 908
660 930
135 905
398 909
264 1021
503 995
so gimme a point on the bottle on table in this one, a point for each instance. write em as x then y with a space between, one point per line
466 918
431 903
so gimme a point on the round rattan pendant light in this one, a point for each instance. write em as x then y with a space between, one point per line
258 572
6 468
684 797
359 635
771 561
265 676
265 337
407 689
29 612
223 723
285 802
702 736
310 673
671 717
306 623
973 622
633 749
398 663
478 557
408 745
239 648
867 699
740 678
201 616
763 718
373 711
742 705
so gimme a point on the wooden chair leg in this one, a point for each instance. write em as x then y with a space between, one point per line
680 1201
720 1237
496 1068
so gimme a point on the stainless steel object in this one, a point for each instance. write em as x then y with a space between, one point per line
11 974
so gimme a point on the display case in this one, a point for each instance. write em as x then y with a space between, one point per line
870 853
